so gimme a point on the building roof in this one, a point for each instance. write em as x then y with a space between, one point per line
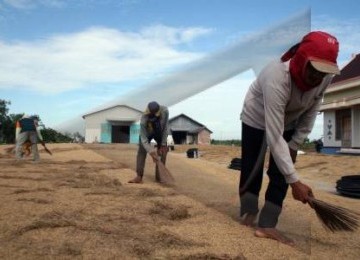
108 108
198 130
348 72
201 126
344 91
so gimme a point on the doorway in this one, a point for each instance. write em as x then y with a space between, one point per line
179 137
120 134
346 137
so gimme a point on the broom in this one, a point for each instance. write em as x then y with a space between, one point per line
165 175
335 218
46 149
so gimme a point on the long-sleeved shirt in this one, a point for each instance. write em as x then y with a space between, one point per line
274 103
146 131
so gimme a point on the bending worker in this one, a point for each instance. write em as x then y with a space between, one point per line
154 124
279 111
27 129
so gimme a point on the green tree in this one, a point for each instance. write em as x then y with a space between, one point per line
9 128
226 142
4 108
7 123
52 136
3 117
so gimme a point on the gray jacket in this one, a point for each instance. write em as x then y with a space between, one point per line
275 104
146 131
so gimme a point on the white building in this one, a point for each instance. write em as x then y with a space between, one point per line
341 107
121 124
117 124
186 130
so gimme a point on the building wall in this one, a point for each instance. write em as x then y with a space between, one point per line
119 113
204 137
339 96
134 133
355 127
184 124
329 129
98 125
190 139
92 135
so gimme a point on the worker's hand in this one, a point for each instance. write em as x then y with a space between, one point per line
154 155
162 150
293 154
301 191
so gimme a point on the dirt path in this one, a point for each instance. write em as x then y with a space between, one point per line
198 179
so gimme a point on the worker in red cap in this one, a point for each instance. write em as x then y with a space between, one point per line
154 125
279 111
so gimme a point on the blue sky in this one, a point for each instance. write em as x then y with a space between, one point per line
62 58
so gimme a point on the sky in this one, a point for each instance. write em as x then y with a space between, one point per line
61 59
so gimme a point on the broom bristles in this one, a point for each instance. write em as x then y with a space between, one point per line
165 175
335 218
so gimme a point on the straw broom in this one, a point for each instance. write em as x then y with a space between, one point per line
46 149
26 148
165 175
335 218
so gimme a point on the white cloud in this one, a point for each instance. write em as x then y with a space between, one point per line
21 4
96 55
30 4
174 35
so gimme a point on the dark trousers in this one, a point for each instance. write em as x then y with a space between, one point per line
251 142
22 138
141 158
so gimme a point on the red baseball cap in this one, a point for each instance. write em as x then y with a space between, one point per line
321 49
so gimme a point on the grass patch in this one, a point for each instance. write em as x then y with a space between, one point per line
149 193
170 240
90 180
35 200
33 190
142 250
21 178
70 249
177 212
209 256
52 219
